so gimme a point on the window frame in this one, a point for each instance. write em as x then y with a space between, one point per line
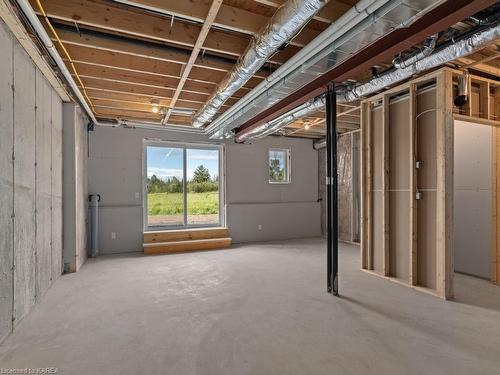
184 146
288 165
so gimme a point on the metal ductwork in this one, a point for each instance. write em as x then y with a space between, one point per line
304 110
284 25
426 50
454 51
356 29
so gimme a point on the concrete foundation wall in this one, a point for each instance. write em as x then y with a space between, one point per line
30 184
283 211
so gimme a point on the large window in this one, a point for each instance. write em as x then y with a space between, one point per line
182 185
279 166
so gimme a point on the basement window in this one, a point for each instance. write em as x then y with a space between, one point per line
182 185
279 166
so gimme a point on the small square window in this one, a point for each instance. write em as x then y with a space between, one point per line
279 166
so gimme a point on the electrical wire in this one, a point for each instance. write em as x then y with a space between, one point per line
70 60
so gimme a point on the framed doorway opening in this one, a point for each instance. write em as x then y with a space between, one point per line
182 185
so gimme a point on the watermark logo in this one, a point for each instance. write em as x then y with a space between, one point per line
34 370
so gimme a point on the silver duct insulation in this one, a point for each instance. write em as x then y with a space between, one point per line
304 110
454 51
458 49
356 29
426 50
285 23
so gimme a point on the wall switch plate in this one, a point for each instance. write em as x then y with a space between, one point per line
137 195
259 226
113 235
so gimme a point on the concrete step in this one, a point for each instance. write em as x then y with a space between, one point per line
186 245
185 234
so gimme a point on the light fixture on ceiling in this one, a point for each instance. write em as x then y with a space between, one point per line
307 126
155 106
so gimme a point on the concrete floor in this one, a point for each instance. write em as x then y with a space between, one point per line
255 309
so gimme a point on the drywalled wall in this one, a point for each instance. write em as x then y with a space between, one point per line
259 211
30 184
473 200
75 187
284 211
322 188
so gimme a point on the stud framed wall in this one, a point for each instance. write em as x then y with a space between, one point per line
407 173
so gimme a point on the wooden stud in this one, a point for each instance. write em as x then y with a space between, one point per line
494 203
369 186
385 185
413 266
484 100
495 274
444 201
364 187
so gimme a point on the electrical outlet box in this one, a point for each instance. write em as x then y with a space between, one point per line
113 235
259 226
137 195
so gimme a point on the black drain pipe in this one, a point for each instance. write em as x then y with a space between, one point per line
331 191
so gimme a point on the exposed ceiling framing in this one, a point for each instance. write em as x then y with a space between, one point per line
130 53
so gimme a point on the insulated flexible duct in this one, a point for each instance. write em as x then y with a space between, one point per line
304 110
452 52
285 23
456 50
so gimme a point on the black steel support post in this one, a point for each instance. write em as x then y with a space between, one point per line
331 191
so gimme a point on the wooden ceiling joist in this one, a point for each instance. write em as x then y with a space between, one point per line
228 17
119 96
107 49
209 19
144 91
128 52
328 14
141 78
105 16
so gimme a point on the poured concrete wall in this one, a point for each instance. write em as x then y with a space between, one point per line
30 184
75 188
283 211
473 202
